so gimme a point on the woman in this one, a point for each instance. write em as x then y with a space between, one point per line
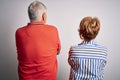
87 59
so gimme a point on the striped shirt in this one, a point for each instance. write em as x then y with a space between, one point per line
87 61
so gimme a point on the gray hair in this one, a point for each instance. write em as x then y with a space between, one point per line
36 10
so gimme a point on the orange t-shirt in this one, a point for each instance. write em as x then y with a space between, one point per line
37 46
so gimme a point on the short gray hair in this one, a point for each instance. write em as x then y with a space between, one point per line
36 10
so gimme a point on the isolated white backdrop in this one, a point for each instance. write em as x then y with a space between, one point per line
66 16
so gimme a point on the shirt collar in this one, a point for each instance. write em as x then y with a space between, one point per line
36 23
88 43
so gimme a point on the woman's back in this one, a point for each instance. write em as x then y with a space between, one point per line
87 61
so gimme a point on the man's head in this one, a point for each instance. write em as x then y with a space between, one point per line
37 11
89 28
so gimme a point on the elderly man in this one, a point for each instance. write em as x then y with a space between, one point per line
37 46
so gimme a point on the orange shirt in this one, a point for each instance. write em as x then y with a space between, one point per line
37 46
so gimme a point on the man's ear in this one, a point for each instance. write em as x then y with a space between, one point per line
44 17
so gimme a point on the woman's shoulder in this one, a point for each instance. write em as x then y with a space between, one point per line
75 47
93 46
100 46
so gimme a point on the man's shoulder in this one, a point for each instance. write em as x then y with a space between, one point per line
51 26
20 29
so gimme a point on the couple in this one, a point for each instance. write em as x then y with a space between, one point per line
38 45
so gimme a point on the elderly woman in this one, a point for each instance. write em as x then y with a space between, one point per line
87 59
37 46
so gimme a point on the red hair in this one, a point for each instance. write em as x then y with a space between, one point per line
89 28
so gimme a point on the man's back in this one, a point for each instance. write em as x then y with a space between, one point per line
37 47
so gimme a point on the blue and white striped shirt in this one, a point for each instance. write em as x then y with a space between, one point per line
87 61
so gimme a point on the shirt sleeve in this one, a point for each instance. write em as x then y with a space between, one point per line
58 41
17 39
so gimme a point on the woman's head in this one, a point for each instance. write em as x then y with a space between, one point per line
89 28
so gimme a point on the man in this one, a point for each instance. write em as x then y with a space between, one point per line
37 46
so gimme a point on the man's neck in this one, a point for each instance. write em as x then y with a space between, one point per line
38 21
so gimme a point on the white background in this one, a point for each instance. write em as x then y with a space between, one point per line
66 16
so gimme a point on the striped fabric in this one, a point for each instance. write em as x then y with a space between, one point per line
87 61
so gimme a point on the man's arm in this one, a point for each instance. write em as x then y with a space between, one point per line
59 44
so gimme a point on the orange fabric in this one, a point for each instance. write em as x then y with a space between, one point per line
37 46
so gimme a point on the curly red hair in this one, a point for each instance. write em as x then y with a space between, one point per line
89 28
